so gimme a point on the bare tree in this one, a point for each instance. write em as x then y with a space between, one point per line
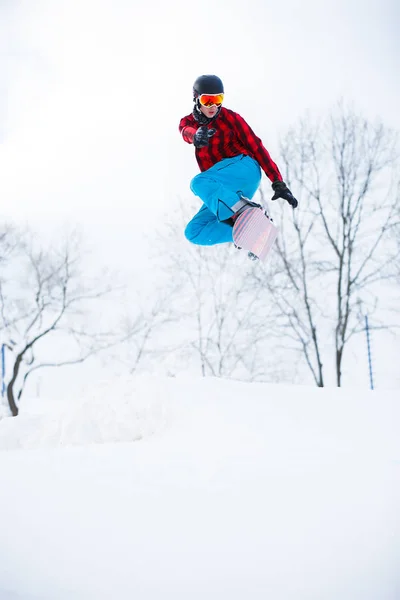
145 340
336 247
46 303
223 319
396 240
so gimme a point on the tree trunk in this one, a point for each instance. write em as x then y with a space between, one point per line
339 356
10 388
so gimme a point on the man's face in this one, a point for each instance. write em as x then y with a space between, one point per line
209 111
210 103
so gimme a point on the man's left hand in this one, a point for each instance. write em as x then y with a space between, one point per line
282 191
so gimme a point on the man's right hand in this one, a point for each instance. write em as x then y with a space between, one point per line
202 135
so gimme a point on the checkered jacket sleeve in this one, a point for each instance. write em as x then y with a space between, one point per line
187 130
255 146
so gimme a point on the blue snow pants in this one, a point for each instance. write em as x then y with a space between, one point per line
220 188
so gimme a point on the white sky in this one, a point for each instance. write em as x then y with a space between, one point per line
92 91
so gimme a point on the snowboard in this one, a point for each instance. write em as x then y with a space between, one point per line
254 231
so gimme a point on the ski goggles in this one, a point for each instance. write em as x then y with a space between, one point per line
211 99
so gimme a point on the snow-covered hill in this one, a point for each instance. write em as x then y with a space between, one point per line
202 489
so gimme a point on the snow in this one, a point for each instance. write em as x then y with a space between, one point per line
173 488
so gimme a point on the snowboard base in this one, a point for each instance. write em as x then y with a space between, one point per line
255 232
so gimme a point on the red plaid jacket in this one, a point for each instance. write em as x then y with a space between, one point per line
233 137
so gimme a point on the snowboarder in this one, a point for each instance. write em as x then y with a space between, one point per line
230 157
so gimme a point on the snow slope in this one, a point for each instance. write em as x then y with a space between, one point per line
203 488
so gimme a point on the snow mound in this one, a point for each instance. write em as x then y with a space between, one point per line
236 490
117 411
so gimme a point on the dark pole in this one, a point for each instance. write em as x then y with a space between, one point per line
3 369
371 379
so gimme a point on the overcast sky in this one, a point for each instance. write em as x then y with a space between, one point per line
92 91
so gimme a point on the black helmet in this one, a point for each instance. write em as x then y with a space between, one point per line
207 84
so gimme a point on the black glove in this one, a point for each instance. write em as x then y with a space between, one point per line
282 191
202 136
